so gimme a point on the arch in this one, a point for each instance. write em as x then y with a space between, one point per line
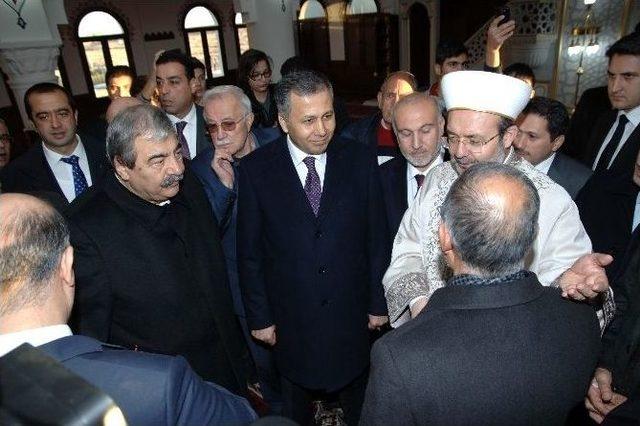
99 23
312 9
204 39
359 7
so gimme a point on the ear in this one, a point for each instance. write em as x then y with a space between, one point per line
438 69
283 123
67 276
557 143
440 124
75 114
121 169
379 97
445 238
249 120
509 136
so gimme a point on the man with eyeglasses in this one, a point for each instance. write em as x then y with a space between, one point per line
5 144
480 128
65 164
228 116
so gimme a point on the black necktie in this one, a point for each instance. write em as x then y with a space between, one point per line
607 154
419 181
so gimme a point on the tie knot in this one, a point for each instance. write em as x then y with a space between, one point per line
180 125
623 119
419 179
73 160
310 162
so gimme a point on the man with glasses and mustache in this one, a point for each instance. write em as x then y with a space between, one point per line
480 128
228 117
149 266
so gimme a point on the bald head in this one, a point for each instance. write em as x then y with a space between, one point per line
395 86
33 238
118 105
491 214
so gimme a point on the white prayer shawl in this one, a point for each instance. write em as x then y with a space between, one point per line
417 264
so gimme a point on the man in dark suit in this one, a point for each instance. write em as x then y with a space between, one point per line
376 130
493 346
149 264
312 248
418 126
593 103
176 84
37 293
616 382
615 139
542 126
227 111
64 163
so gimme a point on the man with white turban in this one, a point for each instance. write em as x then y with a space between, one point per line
481 109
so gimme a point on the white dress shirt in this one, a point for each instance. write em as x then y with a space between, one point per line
63 172
190 131
35 337
634 119
412 184
636 214
545 165
297 156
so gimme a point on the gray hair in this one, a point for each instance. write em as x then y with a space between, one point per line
140 121
411 99
302 83
488 239
218 92
31 245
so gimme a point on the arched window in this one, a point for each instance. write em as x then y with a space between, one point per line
204 40
311 9
359 7
103 44
241 33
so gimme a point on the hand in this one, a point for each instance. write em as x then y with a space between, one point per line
497 35
418 306
376 322
221 165
601 399
266 335
586 278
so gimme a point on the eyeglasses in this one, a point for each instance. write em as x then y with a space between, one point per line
473 144
227 125
256 75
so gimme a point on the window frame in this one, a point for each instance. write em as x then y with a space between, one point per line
205 43
104 43
237 36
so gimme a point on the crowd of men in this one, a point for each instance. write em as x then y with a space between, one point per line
192 258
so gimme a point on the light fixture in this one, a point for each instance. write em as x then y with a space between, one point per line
584 40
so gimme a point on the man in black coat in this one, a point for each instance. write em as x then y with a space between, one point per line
149 264
493 346
64 164
312 249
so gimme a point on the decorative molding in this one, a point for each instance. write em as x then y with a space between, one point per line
164 35
21 64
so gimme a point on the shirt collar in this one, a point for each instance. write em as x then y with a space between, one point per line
54 157
298 155
35 336
189 118
545 165
633 115
412 171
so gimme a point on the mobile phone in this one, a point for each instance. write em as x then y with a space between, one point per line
503 11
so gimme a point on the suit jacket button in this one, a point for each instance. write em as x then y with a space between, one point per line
322 270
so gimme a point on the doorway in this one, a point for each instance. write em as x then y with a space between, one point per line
419 30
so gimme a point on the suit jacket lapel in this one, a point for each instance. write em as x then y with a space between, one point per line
95 158
400 183
555 170
335 173
201 138
43 174
602 128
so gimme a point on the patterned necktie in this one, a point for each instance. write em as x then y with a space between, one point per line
312 184
419 181
607 154
79 181
180 125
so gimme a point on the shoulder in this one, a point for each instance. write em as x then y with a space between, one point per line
25 161
546 186
565 161
265 154
202 161
394 166
354 129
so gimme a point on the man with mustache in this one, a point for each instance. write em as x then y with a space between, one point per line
149 265
480 128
